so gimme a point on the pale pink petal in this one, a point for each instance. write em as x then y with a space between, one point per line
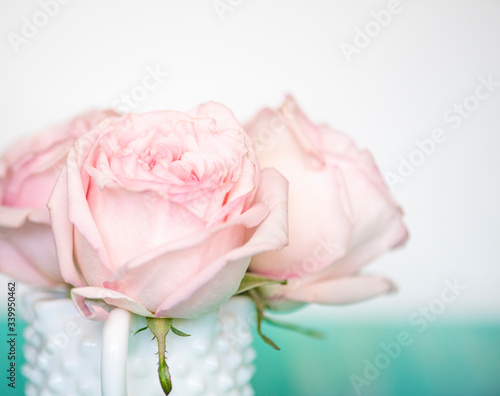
306 134
270 235
17 265
84 299
93 272
225 277
63 231
32 164
132 223
36 243
29 186
378 221
220 115
46 138
79 213
159 273
319 218
337 291
15 217
182 271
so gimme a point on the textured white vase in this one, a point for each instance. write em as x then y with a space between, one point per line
63 352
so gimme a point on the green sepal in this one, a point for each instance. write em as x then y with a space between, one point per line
297 328
260 306
138 331
178 332
251 281
160 328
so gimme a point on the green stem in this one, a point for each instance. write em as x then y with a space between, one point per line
297 328
160 328
260 306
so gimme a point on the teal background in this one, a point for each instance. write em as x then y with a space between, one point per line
447 359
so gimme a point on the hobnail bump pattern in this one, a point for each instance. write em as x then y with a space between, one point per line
63 352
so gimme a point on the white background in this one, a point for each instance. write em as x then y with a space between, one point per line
393 92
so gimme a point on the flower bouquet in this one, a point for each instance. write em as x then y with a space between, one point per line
187 228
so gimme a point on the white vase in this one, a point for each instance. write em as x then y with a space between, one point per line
63 352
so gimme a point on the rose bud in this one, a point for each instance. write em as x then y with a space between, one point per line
341 214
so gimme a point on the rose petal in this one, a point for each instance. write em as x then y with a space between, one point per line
94 309
314 244
15 263
133 223
15 217
79 213
338 291
377 219
63 230
218 113
188 273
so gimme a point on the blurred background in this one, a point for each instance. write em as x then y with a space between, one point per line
417 83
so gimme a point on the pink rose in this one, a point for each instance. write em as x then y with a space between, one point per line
341 215
28 172
160 213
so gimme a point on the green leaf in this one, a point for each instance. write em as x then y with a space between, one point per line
178 332
259 305
160 328
297 328
251 281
